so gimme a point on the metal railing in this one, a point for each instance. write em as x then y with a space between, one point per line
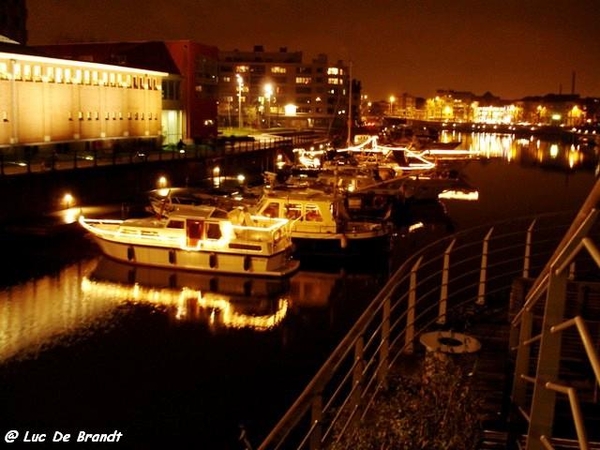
542 339
432 288
23 160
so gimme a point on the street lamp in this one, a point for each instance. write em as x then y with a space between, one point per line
240 83
268 94
392 100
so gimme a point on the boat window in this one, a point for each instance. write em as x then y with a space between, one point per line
272 210
293 210
177 224
213 231
313 213
194 229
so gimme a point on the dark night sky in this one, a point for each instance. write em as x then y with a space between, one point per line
512 48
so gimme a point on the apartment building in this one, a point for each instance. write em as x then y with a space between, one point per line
264 89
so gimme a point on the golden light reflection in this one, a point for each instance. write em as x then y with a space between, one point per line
459 195
189 303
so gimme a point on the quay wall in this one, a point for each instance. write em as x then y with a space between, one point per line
30 195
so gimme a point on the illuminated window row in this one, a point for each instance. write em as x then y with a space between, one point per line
28 72
95 115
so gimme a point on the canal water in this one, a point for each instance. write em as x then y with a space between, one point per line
153 358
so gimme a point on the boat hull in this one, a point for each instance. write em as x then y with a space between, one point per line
337 244
274 265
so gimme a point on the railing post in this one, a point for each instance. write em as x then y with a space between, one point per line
527 257
384 350
543 400
483 271
410 312
444 290
316 416
357 375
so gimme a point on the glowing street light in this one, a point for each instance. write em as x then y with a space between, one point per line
268 94
392 100
240 83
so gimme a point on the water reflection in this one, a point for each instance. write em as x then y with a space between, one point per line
35 313
220 301
535 151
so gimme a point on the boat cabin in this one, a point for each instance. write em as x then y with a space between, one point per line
308 212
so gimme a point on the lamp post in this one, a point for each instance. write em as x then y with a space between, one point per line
268 94
392 100
240 83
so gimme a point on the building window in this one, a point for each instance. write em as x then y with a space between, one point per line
27 72
303 80
37 73
17 71
4 71
278 69
242 69
50 73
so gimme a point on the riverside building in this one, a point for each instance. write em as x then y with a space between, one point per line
266 89
68 104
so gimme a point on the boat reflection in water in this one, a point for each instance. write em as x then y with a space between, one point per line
69 305
220 300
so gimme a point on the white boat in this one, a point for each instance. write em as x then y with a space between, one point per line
206 239
321 223
370 153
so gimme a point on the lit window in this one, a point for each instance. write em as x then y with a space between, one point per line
313 214
333 71
242 69
17 71
303 80
37 73
278 69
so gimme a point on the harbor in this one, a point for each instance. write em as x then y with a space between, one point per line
147 346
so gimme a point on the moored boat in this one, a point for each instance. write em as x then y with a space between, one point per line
205 239
321 223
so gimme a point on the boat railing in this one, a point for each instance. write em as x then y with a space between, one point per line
433 289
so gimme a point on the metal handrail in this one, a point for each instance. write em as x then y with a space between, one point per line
405 307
